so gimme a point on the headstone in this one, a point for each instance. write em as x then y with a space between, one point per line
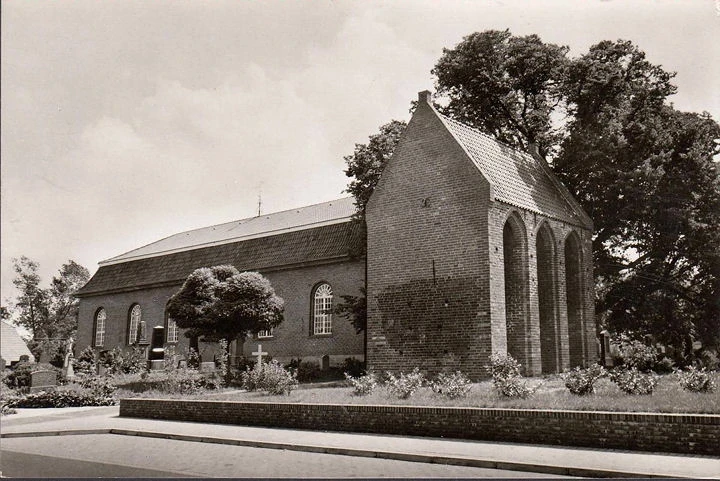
208 366
325 363
43 381
156 354
605 354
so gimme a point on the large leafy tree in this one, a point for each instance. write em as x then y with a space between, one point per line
505 85
49 314
222 303
643 170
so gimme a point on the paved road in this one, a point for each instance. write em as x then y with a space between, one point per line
129 456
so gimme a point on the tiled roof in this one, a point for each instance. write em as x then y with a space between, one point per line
315 215
261 253
518 178
11 344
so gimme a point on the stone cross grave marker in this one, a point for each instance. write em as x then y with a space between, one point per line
44 380
259 353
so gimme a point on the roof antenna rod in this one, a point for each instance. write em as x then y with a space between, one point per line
259 202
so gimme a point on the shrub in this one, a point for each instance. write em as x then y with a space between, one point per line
635 354
362 385
354 367
406 384
632 381
308 371
125 361
582 381
61 399
695 380
85 363
506 378
272 377
181 381
98 386
452 385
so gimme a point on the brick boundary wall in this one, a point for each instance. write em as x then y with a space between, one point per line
672 433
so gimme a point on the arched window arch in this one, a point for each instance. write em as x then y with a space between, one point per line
134 324
322 309
100 320
517 304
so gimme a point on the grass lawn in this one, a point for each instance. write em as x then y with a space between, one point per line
552 394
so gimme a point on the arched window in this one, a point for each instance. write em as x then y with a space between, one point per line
100 318
322 309
171 330
134 325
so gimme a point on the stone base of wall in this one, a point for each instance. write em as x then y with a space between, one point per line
670 433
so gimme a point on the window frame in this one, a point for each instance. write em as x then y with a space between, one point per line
96 327
265 334
133 337
175 330
321 322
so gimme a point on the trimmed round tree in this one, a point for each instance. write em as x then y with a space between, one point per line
222 303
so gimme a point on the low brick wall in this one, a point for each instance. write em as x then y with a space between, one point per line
673 433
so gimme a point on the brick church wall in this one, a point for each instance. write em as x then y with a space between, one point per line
428 275
291 339
294 337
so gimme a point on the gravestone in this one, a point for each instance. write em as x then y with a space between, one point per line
208 366
325 363
260 354
43 380
156 354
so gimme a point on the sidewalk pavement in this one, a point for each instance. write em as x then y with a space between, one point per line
517 457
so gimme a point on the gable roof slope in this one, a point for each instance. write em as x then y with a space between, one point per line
517 177
316 215
11 344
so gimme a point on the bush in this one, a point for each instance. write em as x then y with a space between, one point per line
125 361
308 371
582 381
454 385
98 386
85 363
60 399
272 377
181 381
695 380
632 381
635 354
354 367
362 385
406 384
506 378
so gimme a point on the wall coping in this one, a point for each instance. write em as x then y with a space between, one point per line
693 418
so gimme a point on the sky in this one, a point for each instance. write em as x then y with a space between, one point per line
125 122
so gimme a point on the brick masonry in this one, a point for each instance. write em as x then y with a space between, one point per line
292 339
437 262
670 433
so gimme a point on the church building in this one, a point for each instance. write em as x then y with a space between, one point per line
473 248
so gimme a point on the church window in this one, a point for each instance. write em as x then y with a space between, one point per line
322 309
172 330
100 319
135 324
265 333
